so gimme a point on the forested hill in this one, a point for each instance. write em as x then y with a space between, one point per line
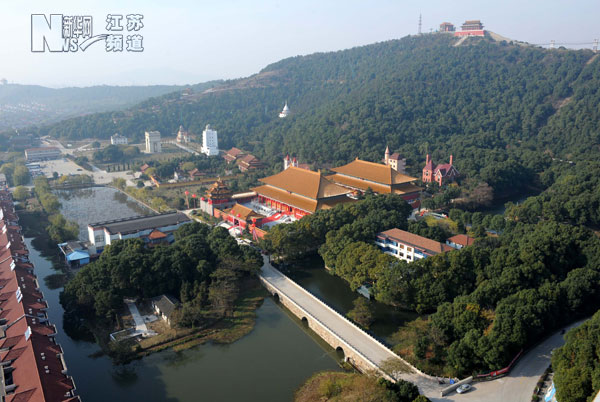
484 101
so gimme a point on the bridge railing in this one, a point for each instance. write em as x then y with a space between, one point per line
337 335
387 350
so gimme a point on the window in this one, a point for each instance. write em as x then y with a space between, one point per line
408 249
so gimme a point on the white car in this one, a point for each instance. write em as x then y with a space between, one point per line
463 388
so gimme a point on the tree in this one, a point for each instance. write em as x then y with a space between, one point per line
21 193
362 312
223 291
119 183
95 144
577 364
482 195
20 175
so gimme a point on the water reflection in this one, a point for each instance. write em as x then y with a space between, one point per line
268 364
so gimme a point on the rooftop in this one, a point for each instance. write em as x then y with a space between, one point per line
166 304
462 239
414 240
304 182
373 172
244 212
139 223
38 149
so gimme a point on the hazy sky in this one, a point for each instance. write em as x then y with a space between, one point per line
189 41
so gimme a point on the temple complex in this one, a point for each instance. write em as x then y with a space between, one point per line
299 192
360 175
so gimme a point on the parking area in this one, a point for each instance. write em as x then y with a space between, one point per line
67 167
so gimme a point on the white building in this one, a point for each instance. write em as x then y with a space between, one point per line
395 161
102 234
409 246
153 142
40 154
118 139
210 142
285 112
288 162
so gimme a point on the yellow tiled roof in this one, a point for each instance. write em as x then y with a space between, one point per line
374 172
304 182
288 198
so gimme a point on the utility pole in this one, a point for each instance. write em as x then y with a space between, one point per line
420 23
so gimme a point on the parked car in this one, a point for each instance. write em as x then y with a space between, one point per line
463 388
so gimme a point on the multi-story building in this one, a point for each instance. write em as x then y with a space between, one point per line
210 142
148 228
153 145
42 154
233 154
118 140
447 27
409 246
441 174
33 363
299 192
471 28
3 181
360 175
249 162
395 161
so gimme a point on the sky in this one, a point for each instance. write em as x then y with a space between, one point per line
187 41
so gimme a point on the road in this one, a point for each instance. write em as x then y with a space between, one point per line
518 386
351 334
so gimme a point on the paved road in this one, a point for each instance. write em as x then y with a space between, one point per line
354 336
518 386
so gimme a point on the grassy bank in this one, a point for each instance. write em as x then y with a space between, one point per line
219 330
351 387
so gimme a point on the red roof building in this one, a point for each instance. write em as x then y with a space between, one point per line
441 174
249 162
409 246
459 241
34 368
447 27
233 154
471 28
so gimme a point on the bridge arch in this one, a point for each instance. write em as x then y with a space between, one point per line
276 297
304 321
340 353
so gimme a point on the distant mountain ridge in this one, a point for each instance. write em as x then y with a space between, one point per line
25 105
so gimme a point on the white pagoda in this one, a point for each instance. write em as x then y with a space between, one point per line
285 112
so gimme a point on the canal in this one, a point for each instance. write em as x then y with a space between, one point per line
268 364
336 292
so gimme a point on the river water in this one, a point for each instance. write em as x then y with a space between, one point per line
268 364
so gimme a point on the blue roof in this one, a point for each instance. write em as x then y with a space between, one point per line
77 255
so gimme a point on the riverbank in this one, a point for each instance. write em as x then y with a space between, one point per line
225 330
351 387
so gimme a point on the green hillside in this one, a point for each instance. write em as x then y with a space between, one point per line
503 110
404 93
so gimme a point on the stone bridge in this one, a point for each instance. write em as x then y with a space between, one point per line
360 349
